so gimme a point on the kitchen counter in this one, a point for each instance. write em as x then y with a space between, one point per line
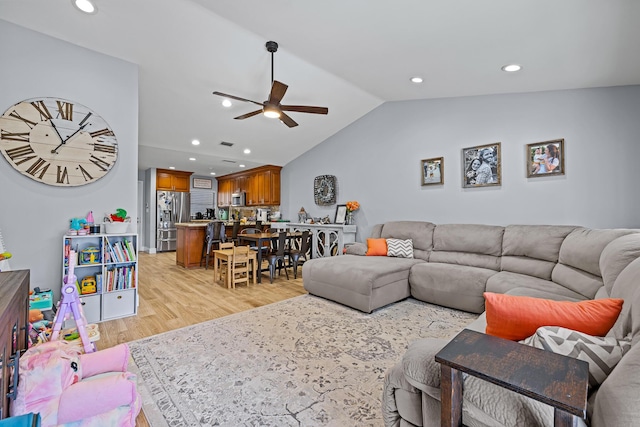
194 223
189 243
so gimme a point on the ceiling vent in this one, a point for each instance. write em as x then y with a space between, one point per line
227 144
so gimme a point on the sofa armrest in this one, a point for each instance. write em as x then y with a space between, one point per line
357 248
420 367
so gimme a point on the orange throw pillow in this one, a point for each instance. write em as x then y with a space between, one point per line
376 247
517 317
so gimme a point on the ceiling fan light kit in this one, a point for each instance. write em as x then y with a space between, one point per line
271 107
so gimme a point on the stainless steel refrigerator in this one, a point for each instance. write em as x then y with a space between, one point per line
172 207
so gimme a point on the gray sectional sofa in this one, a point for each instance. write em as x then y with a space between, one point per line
453 265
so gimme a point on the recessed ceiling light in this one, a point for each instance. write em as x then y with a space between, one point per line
193 159
85 6
212 173
511 68
241 166
172 167
247 151
416 79
195 142
226 103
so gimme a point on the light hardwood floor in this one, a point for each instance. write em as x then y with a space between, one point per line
172 297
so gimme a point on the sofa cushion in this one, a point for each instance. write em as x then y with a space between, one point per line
528 266
473 238
535 241
616 256
601 353
616 402
450 285
504 282
376 247
400 248
517 317
356 248
583 247
420 232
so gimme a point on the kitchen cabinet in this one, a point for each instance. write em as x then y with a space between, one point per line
261 185
172 180
224 191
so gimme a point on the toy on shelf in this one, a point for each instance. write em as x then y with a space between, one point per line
90 255
88 285
70 305
5 255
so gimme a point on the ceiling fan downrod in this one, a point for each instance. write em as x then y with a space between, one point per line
272 47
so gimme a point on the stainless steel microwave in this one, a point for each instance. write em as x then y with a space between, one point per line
238 199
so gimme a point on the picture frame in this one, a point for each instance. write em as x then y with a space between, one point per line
432 171
481 166
552 151
202 183
341 214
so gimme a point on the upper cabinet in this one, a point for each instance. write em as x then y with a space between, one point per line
172 180
261 185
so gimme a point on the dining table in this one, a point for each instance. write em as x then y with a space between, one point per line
258 240
227 255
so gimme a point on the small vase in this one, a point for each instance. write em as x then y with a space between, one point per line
350 220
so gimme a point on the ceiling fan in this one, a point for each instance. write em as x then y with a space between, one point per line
272 107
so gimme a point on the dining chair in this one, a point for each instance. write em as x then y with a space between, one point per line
276 256
234 231
214 235
240 266
296 255
222 264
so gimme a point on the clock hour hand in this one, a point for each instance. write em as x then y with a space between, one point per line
82 126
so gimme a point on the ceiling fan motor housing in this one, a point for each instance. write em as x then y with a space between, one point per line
272 46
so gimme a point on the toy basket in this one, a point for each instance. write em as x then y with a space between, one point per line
116 227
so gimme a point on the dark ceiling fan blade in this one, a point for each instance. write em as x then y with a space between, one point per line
236 97
305 109
246 116
287 120
277 92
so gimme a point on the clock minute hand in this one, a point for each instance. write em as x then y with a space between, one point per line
82 126
53 125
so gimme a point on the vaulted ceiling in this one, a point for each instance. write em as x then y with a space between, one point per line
349 56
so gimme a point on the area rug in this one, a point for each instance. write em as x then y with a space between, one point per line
304 361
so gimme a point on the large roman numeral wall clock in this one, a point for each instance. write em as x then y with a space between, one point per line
57 142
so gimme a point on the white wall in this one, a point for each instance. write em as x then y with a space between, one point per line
377 161
34 216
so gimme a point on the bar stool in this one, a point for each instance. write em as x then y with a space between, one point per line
214 234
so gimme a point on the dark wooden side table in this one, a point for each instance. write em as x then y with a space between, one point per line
550 378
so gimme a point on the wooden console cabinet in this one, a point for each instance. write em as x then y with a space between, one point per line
14 304
261 185
172 180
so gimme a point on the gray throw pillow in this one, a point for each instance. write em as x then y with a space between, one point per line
400 248
601 353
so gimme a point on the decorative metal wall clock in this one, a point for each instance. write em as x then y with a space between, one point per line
324 190
57 142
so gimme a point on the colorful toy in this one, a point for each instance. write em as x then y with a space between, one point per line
119 216
90 255
5 255
88 285
78 223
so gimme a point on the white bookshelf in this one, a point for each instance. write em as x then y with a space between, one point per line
115 271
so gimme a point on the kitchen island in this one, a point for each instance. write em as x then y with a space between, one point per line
190 239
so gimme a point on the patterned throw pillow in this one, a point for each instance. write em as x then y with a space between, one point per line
601 353
400 248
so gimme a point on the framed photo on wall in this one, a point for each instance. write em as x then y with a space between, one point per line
341 214
432 171
545 158
481 166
